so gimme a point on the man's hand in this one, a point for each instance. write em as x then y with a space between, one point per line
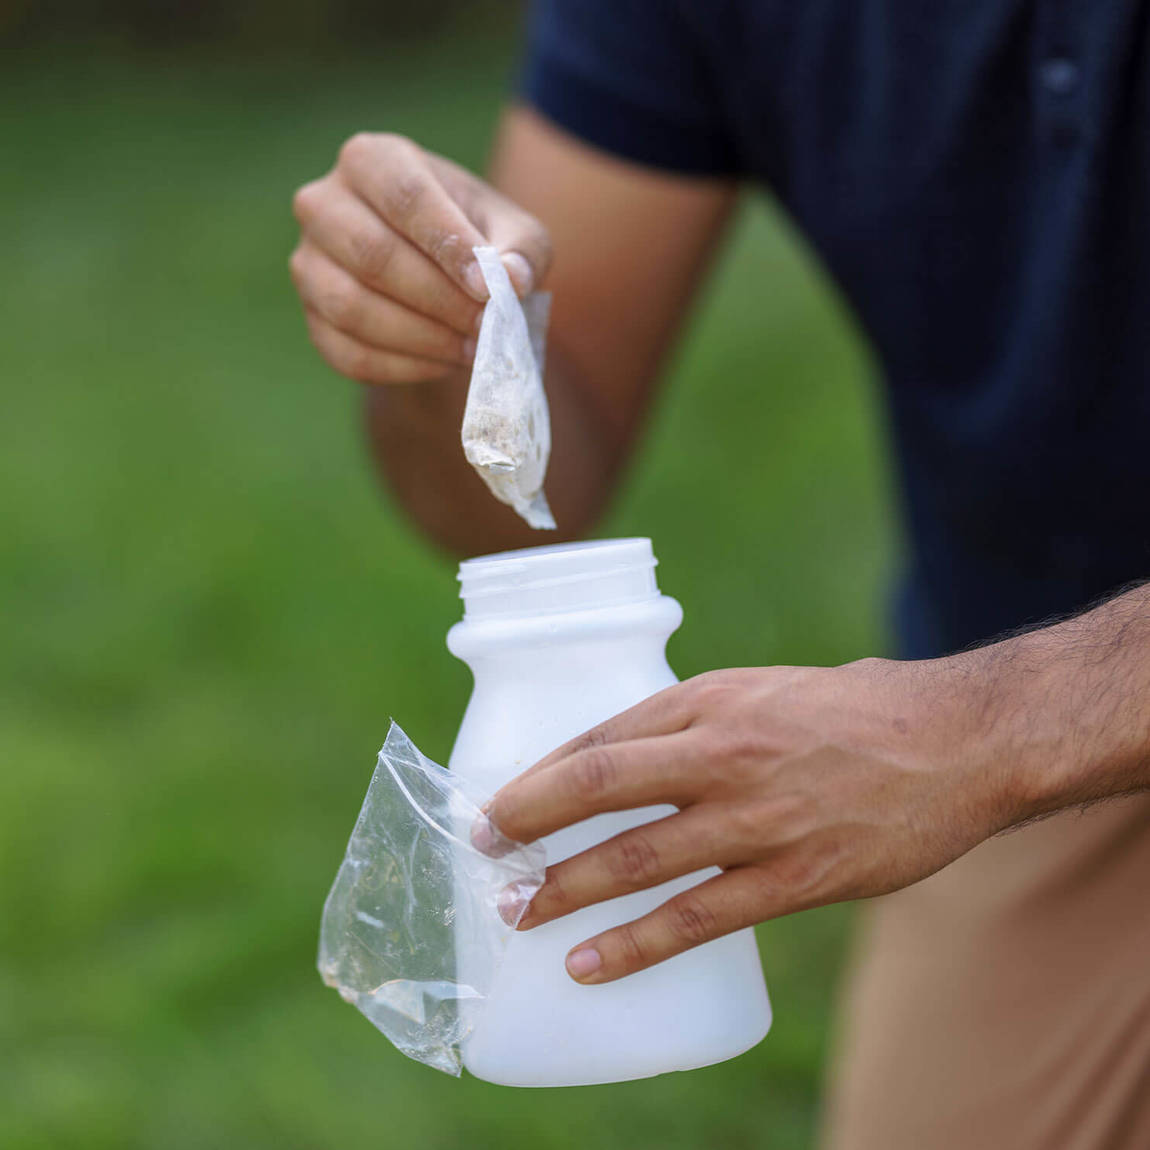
805 785
809 786
390 289
392 295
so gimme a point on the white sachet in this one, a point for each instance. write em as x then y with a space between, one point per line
506 425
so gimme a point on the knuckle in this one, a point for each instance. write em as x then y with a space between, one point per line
794 875
342 306
800 872
358 147
396 147
720 683
405 191
691 920
553 899
796 815
635 860
632 949
747 825
306 200
387 149
740 745
297 266
356 363
595 737
372 255
708 692
593 773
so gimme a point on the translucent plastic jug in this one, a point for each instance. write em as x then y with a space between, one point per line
560 638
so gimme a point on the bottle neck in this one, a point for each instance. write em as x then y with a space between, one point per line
599 593
647 626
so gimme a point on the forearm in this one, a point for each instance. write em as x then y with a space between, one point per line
415 437
1066 709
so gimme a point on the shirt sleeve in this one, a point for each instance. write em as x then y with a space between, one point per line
627 76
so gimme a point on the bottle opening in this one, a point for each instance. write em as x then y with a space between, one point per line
559 577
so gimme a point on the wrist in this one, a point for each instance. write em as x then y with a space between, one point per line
948 716
1016 726
979 718
1063 710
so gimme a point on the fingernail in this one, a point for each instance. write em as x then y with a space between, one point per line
513 902
479 319
474 282
483 835
468 349
488 839
522 277
583 962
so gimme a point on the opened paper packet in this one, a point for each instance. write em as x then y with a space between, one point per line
506 425
414 901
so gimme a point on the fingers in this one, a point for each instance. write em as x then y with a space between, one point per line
663 713
523 240
667 712
604 777
728 902
350 233
360 361
525 245
385 265
637 860
344 303
395 177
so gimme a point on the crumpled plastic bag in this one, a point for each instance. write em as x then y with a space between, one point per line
506 424
414 900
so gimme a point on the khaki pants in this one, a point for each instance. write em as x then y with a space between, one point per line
1004 1003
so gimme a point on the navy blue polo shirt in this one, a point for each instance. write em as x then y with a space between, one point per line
975 174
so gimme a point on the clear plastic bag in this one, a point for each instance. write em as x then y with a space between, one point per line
411 896
506 424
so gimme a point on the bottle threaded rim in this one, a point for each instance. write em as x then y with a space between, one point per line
558 578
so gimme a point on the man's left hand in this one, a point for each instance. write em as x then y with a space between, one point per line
804 785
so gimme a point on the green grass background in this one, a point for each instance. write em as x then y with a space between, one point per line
209 610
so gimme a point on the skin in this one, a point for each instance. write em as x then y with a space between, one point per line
385 274
808 786
804 785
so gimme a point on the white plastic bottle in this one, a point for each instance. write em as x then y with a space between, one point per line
560 638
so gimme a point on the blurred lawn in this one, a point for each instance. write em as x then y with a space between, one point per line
210 611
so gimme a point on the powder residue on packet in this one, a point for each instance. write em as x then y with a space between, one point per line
506 424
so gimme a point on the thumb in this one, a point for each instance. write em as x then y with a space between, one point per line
524 247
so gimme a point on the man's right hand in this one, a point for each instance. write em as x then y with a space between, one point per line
390 288
392 295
